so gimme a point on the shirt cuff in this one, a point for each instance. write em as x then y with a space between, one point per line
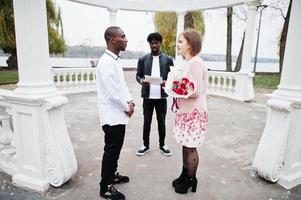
131 102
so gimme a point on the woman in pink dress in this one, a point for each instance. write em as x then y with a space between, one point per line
192 116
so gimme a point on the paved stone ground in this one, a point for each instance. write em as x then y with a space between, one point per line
225 168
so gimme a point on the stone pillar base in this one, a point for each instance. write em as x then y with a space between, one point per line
278 156
244 90
291 180
30 182
44 152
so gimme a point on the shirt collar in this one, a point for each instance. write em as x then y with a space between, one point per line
156 55
111 54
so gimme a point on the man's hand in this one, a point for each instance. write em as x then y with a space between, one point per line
144 83
163 83
130 112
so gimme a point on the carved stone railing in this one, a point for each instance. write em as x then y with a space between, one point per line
222 83
232 85
75 80
8 161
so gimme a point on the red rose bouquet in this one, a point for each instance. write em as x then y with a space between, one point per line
182 86
179 88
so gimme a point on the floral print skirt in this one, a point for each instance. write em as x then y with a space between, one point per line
190 128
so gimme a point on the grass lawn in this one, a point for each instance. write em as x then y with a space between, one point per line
267 81
8 76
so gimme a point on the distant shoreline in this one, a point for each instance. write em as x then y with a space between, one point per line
205 57
94 52
214 65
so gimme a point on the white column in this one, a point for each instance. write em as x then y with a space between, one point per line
244 90
113 13
44 151
290 83
249 37
278 156
180 26
32 48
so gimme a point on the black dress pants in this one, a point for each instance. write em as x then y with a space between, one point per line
160 105
114 137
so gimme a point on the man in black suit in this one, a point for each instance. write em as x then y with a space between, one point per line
157 65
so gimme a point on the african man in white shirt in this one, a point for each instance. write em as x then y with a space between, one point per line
115 106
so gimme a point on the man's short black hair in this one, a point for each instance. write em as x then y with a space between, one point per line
155 36
110 32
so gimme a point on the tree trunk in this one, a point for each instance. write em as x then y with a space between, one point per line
12 62
188 21
284 36
239 58
229 40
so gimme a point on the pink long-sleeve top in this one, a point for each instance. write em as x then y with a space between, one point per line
196 71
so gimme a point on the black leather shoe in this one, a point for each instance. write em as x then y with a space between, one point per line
109 192
121 179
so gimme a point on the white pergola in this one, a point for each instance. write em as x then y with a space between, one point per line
44 153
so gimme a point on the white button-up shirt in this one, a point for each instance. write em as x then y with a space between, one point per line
112 92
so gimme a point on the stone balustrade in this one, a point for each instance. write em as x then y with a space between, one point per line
222 83
75 80
7 140
78 80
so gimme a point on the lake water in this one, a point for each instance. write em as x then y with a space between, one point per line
132 63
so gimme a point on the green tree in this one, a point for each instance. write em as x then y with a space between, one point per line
7 31
166 24
55 29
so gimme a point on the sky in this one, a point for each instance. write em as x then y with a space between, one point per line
84 24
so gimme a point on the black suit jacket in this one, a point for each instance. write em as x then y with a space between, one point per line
144 67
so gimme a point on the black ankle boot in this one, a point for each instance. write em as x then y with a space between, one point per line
186 184
180 178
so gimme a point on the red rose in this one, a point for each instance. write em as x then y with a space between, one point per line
180 91
185 80
183 86
191 85
175 83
